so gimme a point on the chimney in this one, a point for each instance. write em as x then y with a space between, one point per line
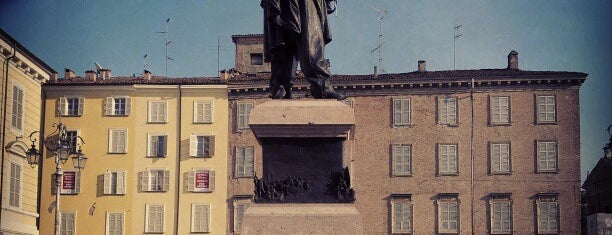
53 76
375 71
91 75
105 73
68 73
513 60
422 66
147 75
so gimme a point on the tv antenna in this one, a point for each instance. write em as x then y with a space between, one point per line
165 32
145 63
381 40
457 34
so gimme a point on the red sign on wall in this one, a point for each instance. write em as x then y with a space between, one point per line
68 180
202 180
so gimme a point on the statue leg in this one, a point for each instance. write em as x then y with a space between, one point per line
283 68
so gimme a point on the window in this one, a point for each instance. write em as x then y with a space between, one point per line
244 109
154 218
114 182
200 218
546 109
15 185
71 135
447 110
155 180
547 213
401 212
117 141
256 58
118 106
448 213
17 114
67 223
402 159
71 182
244 161
157 146
547 156
201 180
447 159
500 214
202 111
202 145
240 206
500 110
500 158
158 111
71 106
114 223
401 112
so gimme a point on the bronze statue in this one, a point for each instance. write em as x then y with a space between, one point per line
298 30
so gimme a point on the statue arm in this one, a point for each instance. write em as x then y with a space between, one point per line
331 6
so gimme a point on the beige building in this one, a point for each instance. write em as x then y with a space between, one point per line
20 108
157 154
491 151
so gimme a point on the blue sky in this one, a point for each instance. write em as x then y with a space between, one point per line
548 34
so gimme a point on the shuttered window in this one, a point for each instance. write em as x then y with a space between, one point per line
114 223
202 145
118 106
500 110
15 185
500 216
157 145
448 215
114 182
117 141
548 215
200 218
201 180
447 158
154 218
155 180
547 156
71 106
158 111
447 111
546 109
401 112
401 155
244 161
67 223
203 112
240 206
401 211
70 182
243 111
17 114
500 158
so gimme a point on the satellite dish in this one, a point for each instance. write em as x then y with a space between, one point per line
98 66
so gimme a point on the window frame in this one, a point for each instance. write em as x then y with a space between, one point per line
194 145
108 215
440 201
147 180
111 134
114 189
157 105
64 106
148 207
537 109
394 112
244 116
153 146
110 109
493 171
15 197
207 229
401 199
77 183
492 104
192 180
498 198
237 216
394 157
74 222
538 156
244 173
17 116
203 112
256 58
547 198
440 155
446 113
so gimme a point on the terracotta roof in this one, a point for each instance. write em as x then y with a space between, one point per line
80 81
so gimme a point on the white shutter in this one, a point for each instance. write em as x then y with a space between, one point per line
166 185
191 181
77 182
211 180
62 107
128 106
144 180
120 182
107 182
205 218
248 161
151 149
163 112
193 145
109 106
208 107
81 106
151 117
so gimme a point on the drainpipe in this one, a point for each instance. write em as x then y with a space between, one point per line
178 160
472 155
6 78
43 108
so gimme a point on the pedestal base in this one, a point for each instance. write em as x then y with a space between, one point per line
294 218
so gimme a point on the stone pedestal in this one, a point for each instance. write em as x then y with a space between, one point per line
296 218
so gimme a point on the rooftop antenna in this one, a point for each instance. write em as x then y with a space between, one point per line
98 66
145 63
379 48
165 32
218 55
457 34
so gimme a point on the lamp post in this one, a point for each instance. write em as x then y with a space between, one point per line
61 145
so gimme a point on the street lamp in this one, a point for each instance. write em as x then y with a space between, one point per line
62 146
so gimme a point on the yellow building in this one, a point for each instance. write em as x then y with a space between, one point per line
20 109
157 152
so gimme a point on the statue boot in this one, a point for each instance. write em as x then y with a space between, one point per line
323 89
276 92
288 87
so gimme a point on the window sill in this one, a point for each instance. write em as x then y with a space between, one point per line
202 122
403 126
547 123
243 176
114 194
117 152
401 175
448 174
500 173
118 115
72 115
156 156
201 156
154 191
500 124
157 122
547 172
